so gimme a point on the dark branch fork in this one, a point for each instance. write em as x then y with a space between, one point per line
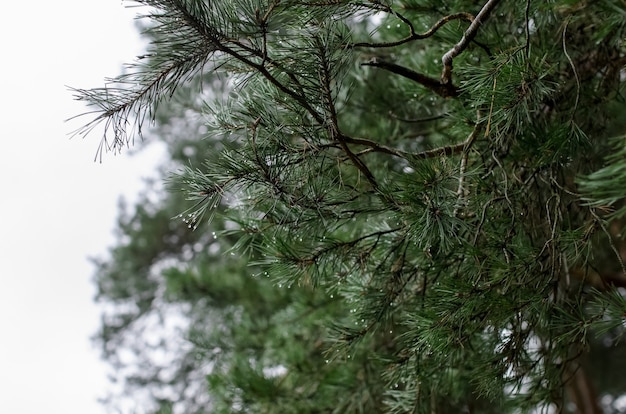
444 90
470 33
444 86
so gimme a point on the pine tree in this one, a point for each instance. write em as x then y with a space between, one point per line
429 194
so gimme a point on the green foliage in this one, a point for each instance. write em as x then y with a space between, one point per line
426 193
603 188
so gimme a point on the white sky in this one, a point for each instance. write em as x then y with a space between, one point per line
56 206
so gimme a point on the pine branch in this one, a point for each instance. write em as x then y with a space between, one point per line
447 150
333 124
315 256
192 43
135 96
119 106
262 69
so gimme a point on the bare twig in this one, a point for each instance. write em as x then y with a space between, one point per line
441 151
444 90
569 59
460 192
418 120
413 35
447 150
262 21
376 147
470 33
600 223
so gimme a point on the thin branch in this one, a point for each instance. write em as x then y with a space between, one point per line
418 120
413 35
470 33
116 105
301 99
460 192
441 89
441 151
569 59
600 222
493 95
376 147
325 80
527 31
373 146
342 244
376 5
262 21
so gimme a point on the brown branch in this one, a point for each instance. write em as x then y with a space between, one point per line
460 192
418 120
262 69
441 151
441 89
470 33
376 147
373 146
268 61
342 244
333 126
414 35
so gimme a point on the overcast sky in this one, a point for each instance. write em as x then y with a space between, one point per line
57 206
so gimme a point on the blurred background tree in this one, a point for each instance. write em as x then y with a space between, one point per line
387 206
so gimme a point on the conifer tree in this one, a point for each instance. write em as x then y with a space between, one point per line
429 194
